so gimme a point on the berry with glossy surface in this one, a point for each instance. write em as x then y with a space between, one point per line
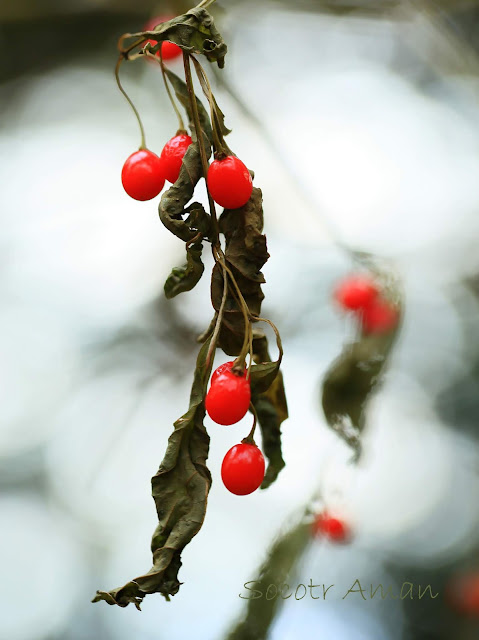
169 50
356 292
222 370
242 470
333 528
142 175
172 155
229 182
379 317
228 398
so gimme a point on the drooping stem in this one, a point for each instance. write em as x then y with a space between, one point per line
117 76
276 332
204 3
181 124
126 51
219 320
248 373
250 437
201 143
159 60
240 360
221 148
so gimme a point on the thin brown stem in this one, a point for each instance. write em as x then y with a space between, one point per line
194 240
275 329
250 437
240 360
117 76
220 146
126 51
201 143
219 320
181 124
248 373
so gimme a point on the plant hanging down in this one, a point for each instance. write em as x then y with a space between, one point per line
375 301
251 380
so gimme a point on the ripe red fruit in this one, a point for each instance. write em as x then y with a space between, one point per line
356 292
379 317
169 50
242 470
462 594
332 528
142 175
229 182
228 398
172 155
221 370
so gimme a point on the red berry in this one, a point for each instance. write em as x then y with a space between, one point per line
221 370
229 182
242 470
172 155
142 175
228 398
169 50
356 292
379 317
462 594
332 528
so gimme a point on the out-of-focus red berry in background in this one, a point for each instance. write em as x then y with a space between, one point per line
169 50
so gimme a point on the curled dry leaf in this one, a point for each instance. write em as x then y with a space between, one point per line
186 222
245 254
194 32
186 278
180 490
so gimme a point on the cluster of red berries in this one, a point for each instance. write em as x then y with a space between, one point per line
144 173
361 295
329 527
227 401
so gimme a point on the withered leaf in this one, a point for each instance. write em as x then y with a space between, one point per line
350 381
217 114
282 559
245 254
264 372
181 92
186 278
180 490
269 400
194 31
186 222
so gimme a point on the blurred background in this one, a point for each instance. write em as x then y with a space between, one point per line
360 120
